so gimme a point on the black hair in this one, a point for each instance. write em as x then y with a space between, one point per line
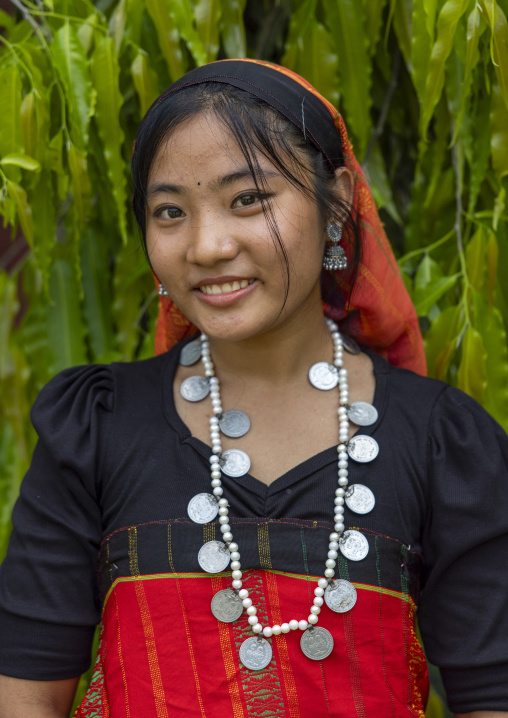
259 129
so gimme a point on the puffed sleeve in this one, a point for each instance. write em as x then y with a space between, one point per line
464 607
48 581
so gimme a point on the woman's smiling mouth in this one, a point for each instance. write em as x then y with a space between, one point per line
226 287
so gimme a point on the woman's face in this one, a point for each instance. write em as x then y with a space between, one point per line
209 242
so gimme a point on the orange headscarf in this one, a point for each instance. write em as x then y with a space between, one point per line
380 313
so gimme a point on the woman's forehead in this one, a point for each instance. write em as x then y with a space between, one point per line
203 144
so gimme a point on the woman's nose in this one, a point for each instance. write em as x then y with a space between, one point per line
211 242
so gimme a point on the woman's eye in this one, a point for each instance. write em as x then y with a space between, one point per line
168 213
247 200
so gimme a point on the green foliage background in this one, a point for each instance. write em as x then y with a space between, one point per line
423 86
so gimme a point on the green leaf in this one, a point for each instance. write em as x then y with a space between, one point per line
441 340
168 33
430 285
472 375
345 20
86 32
490 325
145 81
97 305
421 46
499 128
64 321
472 57
117 24
402 27
43 206
207 14
232 28
475 259
11 138
24 210
72 63
496 19
373 12
378 180
80 182
23 161
492 264
447 22
105 75
481 145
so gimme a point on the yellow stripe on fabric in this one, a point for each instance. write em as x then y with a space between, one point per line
186 626
273 601
229 661
226 574
122 667
146 620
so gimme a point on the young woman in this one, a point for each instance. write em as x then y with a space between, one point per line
258 512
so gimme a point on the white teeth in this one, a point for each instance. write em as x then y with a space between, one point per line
226 287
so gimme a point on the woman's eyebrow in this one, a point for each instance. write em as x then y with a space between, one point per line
241 174
225 181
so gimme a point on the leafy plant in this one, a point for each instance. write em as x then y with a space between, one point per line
423 86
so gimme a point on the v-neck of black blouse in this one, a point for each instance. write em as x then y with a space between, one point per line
307 467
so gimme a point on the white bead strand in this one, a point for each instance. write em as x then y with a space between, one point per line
216 481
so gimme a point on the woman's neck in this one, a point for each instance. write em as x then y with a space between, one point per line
277 356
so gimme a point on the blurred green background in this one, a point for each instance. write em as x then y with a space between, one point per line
423 87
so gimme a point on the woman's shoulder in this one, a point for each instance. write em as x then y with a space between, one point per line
83 397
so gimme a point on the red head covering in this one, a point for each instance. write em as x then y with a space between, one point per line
380 313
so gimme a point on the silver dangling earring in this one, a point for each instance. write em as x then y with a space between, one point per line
162 290
335 257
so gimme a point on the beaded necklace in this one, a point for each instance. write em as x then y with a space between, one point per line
214 556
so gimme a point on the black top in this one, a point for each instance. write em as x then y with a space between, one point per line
114 453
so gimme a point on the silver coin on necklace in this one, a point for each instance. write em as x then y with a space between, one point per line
350 345
236 463
360 499
340 595
323 376
362 448
234 423
255 653
203 508
316 643
213 557
353 545
195 388
227 606
362 414
190 353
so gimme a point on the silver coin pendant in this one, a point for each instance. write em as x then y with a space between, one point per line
213 557
362 414
195 388
360 499
234 423
362 448
353 545
340 596
316 643
202 508
255 653
190 353
323 376
235 463
227 606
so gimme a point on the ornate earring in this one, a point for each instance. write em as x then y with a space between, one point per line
162 291
335 257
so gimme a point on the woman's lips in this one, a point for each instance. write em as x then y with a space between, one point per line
223 294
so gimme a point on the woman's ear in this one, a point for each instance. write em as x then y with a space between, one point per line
344 186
